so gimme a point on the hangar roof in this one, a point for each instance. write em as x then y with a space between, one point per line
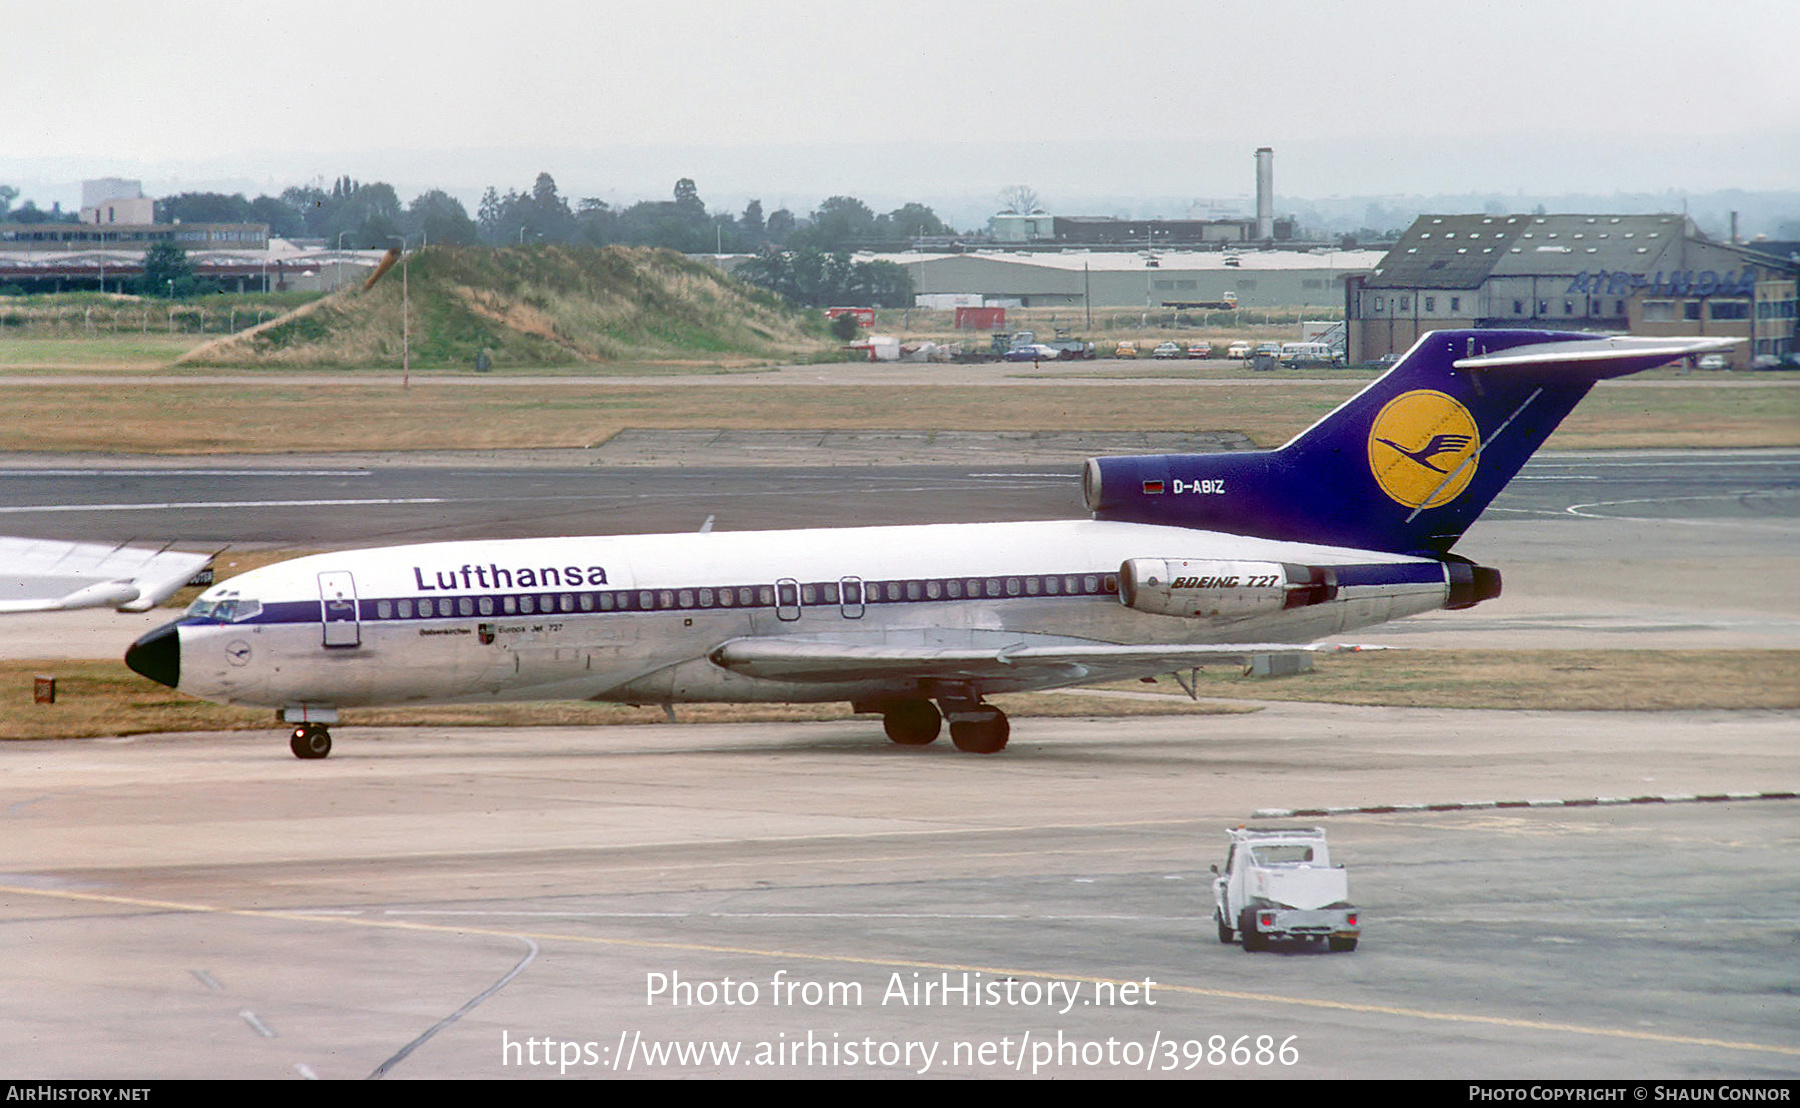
1139 261
1463 251
1567 244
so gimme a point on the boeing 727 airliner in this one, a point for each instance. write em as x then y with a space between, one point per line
1188 560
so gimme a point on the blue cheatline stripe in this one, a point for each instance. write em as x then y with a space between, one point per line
813 594
551 602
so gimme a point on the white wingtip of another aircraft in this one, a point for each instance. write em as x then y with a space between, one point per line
38 575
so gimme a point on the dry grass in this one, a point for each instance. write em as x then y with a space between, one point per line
95 698
104 698
273 416
1542 680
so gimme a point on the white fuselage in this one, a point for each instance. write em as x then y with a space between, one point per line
633 618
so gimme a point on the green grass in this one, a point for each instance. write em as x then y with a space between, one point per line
539 306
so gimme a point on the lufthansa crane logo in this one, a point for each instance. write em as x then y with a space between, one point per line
1422 448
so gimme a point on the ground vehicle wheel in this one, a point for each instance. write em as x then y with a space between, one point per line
981 736
1226 934
912 722
1342 943
310 740
1254 940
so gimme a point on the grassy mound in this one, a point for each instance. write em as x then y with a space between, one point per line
536 306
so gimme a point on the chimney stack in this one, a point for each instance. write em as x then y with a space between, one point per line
1265 193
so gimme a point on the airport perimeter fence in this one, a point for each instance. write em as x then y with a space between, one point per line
65 321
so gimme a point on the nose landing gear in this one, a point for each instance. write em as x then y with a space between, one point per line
310 740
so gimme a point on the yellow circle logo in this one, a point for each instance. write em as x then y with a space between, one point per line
1422 448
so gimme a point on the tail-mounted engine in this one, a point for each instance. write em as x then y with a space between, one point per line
1220 589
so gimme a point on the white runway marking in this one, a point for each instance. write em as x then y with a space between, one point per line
207 979
117 473
28 509
1003 916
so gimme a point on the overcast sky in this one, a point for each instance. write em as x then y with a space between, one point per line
790 100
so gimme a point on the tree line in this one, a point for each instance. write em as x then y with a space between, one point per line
803 257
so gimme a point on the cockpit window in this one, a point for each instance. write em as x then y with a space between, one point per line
228 609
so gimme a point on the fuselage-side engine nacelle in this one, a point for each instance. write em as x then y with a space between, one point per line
1221 589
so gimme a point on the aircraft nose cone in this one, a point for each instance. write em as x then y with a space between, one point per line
157 655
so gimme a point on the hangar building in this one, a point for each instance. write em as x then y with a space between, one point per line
1636 274
1140 279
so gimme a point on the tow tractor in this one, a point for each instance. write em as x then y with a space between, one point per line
1279 884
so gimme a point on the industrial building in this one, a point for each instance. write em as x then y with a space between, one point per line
105 251
275 265
1038 229
1635 274
1257 279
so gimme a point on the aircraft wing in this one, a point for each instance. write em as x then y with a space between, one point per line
822 661
38 575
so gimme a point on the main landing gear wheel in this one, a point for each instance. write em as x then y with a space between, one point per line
310 740
986 735
912 722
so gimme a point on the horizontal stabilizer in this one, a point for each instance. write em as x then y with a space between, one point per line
1611 357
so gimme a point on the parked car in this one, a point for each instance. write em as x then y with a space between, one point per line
1712 361
1167 350
1200 349
1033 352
1126 350
1238 350
1300 355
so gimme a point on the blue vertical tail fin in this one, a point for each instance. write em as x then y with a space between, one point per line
1407 464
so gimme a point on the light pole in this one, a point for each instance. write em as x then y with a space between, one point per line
405 318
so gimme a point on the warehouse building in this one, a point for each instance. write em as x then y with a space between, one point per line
1139 279
1634 274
